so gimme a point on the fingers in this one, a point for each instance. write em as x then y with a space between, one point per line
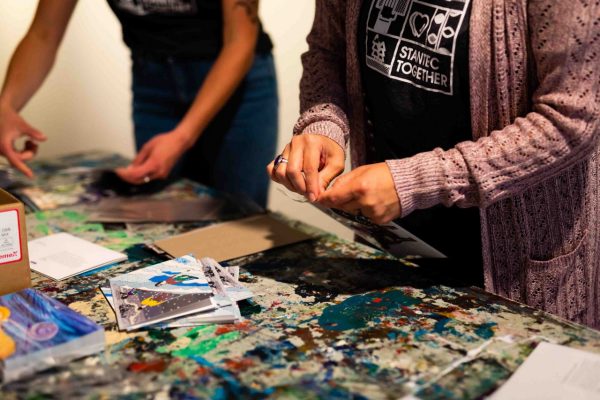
31 131
279 172
143 154
353 207
29 151
15 160
295 166
311 161
333 166
340 193
138 174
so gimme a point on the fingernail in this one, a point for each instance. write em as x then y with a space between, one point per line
312 198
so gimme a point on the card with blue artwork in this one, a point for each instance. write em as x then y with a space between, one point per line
39 332
136 308
183 275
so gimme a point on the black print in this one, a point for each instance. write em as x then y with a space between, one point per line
145 7
414 41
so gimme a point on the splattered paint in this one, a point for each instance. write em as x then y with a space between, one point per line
331 319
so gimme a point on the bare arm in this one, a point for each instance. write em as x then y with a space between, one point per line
35 54
29 66
240 34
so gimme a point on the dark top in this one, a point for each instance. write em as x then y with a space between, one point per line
176 28
414 61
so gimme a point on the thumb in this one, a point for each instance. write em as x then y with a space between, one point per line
143 154
333 167
31 131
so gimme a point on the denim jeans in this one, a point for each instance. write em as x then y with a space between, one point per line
233 151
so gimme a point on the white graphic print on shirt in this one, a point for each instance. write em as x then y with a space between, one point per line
414 41
145 7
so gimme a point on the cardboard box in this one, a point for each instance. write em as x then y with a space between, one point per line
14 260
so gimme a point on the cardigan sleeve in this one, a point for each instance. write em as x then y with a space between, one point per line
561 129
322 87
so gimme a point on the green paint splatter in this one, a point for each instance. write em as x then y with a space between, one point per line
40 216
74 216
89 228
205 346
163 335
43 229
117 234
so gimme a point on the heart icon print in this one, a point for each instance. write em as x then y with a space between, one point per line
418 23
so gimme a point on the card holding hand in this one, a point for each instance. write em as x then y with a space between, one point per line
109 181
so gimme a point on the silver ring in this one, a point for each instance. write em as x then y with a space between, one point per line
279 160
147 179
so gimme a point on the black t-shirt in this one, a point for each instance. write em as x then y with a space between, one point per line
177 28
414 58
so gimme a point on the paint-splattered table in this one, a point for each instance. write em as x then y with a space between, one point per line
331 319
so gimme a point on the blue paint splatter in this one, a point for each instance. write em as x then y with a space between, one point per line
357 311
485 330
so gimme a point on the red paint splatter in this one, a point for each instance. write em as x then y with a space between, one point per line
275 304
240 326
148 366
377 300
239 365
201 371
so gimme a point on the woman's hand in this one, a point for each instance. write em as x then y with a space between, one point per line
12 127
313 162
156 158
369 190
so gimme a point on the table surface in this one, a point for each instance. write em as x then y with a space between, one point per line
330 319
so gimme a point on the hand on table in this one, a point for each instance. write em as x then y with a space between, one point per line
12 127
156 158
369 190
313 162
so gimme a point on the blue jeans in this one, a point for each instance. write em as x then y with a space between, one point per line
233 151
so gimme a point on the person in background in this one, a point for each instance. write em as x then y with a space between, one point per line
204 90
475 123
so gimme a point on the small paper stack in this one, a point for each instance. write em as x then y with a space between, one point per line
177 293
62 256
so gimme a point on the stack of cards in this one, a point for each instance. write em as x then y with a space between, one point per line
176 293
39 332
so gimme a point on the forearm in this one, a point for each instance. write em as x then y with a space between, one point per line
35 54
229 69
323 94
29 66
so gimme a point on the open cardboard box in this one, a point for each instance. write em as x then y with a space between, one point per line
14 259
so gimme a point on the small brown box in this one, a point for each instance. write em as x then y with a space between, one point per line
14 259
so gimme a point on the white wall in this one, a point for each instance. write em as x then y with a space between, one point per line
85 102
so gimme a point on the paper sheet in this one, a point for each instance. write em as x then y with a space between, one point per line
389 237
554 372
62 255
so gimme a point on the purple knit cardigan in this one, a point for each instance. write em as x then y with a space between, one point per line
532 166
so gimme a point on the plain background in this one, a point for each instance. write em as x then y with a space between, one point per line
85 102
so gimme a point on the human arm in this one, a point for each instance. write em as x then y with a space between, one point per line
29 66
316 152
560 130
240 33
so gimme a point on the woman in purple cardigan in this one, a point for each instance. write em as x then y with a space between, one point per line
475 122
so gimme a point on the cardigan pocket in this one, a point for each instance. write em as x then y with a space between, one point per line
560 285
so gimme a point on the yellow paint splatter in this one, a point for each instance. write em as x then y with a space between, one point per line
7 344
150 302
